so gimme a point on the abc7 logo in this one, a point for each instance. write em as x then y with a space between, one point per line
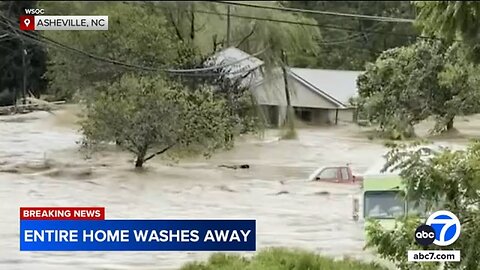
442 229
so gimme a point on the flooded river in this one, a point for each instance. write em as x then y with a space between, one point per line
40 166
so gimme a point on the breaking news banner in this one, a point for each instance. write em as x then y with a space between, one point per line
31 23
86 229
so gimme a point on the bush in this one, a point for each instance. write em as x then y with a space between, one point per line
279 259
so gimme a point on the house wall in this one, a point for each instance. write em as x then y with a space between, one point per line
344 115
321 117
325 116
272 92
275 115
271 96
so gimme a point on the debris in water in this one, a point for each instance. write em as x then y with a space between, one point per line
243 166
321 193
10 170
225 188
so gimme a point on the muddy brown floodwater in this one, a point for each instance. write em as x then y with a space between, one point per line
40 166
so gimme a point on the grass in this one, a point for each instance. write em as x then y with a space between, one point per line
279 259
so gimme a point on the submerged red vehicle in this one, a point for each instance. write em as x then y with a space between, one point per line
336 174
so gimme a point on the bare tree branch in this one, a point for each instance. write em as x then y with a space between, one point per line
192 22
175 26
159 152
247 36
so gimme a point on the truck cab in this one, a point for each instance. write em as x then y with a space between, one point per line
335 174
384 195
383 199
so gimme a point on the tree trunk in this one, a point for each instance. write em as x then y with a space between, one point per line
139 162
450 124
141 157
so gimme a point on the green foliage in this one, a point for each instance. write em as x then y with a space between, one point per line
396 86
350 50
11 53
394 245
149 114
452 20
177 36
162 34
136 36
459 83
278 259
256 35
408 84
448 178
249 35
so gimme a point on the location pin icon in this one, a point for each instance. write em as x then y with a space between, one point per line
27 22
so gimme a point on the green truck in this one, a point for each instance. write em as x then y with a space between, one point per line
382 194
383 200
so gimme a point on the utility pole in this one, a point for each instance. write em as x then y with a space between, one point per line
24 68
228 26
289 116
285 78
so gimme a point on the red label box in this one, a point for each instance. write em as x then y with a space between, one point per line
27 23
62 213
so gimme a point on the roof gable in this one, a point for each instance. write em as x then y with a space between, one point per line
336 85
237 63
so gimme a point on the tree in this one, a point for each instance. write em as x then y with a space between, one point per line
233 89
349 43
149 116
446 178
14 47
395 88
408 84
162 34
136 36
452 20
459 91
192 25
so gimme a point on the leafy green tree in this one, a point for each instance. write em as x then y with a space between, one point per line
161 34
459 88
12 49
136 36
447 178
149 116
396 87
408 84
452 20
349 43
198 23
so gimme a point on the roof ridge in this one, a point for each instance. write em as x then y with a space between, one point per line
326 69
317 90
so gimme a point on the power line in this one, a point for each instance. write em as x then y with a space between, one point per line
330 13
312 24
304 23
188 72
348 38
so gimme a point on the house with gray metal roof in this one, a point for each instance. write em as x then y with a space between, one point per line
318 96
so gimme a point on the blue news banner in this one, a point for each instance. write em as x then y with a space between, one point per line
137 235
